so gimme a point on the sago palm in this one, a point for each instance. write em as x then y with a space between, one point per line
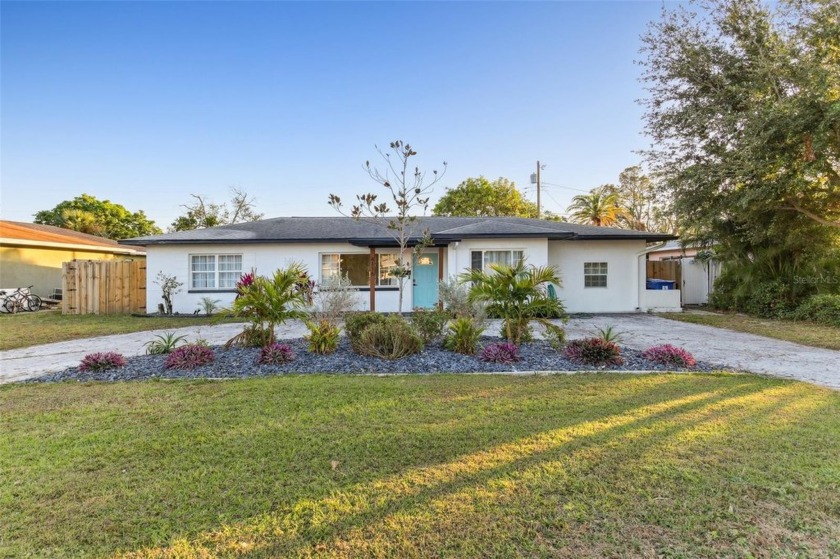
596 208
518 294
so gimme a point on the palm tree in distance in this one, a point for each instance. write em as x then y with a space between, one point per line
600 207
82 221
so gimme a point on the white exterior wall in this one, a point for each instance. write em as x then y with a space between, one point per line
622 258
265 258
625 291
458 258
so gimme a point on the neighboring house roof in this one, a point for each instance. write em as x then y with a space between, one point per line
676 245
39 235
367 233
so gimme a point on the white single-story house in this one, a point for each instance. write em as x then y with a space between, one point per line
602 269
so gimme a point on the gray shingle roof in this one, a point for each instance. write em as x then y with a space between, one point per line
364 232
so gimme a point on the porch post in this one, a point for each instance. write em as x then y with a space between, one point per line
440 273
372 283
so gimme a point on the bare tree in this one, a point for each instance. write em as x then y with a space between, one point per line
203 213
409 191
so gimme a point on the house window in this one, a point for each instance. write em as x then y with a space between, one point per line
215 271
482 259
595 274
356 267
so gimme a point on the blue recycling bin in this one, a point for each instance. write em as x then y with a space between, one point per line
660 284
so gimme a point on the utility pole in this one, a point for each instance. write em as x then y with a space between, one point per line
535 179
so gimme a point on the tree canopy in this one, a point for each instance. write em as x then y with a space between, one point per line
87 214
743 106
202 213
478 197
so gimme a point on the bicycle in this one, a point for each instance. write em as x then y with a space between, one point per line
21 299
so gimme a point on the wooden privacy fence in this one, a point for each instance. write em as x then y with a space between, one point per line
103 287
666 270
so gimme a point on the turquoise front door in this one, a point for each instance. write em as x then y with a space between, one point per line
425 281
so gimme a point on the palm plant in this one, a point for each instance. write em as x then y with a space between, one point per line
599 207
163 343
518 294
269 302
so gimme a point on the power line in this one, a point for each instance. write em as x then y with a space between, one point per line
568 187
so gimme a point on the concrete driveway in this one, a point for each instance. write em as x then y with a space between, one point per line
731 350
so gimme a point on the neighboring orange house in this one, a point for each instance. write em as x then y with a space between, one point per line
32 254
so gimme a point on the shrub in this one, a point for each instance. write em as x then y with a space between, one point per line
463 335
189 357
322 337
276 354
454 296
102 361
334 298
392 338
667 354
163 344
502 352
356 322
824 309
429 323
770 299
555 336
593 351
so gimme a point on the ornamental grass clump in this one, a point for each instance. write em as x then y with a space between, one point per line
190 356
276 354
102 361
503 352
323 337
164 343
593 351
462 335
667 354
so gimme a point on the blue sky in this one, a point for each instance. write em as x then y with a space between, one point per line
144 103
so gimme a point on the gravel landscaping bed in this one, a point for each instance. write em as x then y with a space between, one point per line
241 363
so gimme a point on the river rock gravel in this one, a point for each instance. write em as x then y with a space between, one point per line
536 356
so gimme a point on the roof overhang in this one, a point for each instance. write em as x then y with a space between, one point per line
115 249
658 237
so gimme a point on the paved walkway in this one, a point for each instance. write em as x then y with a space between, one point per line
735 350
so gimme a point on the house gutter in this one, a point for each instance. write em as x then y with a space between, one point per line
72 246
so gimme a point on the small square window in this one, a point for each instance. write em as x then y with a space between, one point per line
595 274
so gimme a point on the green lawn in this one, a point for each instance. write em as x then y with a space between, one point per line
805 333
43 327
422 466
